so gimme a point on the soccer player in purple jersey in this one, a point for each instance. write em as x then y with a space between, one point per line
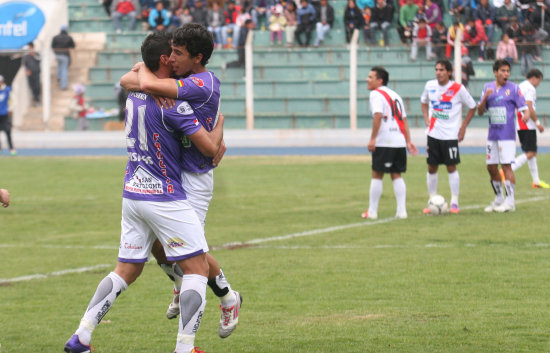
501 98
201 90
155 205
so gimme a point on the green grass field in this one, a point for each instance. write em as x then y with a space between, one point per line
315 277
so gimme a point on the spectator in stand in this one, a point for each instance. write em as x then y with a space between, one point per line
5 114
467 66
324 16
79 107
216 21
277 23
31 62
180 17
528 47
248 26
382 17
420 15
486 13
514 30
353 19
460 9
451 35
505 13
291 22
61 44
525 9
507 49
260 12
433 14
200 14
125 8
231 27
367 15
439 40
159 18
542 29
475 36
177 4
306 18
419 3
422 36
362 4
407 14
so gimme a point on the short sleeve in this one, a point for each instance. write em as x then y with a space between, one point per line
520 100
181 118
467 98
376 103
424 98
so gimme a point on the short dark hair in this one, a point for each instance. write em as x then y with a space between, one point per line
500 63
382 74
534 73
153 46
446 63
196 39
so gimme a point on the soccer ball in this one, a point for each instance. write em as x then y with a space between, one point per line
438 205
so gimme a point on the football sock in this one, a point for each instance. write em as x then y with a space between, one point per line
534 169
192 303
497 188
220 286
520 160
374 194
174 272
432 183
454 183
510 191
400 190
106 293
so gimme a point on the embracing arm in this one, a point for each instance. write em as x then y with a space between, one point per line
149 83
208 143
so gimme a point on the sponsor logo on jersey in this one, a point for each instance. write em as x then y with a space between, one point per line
197 81
507 92
143 182
175 243
184 109
442 105
131 246
196 122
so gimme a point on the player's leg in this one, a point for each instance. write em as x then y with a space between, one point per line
507 155
433 159
376 185
174 273
492 162
135 246
529 145
522 158
451 155
399 166
192 301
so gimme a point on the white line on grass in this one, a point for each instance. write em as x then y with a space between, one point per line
347 226
53 274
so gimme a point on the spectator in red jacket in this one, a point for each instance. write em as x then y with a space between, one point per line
474 36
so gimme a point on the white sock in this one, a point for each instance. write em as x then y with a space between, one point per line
520 160
510 191
106 293
376 186
454 183
534 169
400 190
192 303
497 188
220 281
432 183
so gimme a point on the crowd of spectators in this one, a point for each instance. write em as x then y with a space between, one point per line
524 24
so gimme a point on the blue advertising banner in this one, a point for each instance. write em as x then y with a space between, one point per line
20 23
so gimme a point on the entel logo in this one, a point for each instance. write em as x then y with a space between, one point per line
20 23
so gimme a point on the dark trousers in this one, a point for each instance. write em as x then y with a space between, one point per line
5 125
34 84
307 28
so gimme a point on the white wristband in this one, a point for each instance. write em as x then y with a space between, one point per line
537 122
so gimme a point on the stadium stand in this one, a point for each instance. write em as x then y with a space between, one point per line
293 87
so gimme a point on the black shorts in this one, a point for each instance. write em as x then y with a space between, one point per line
442 152
5 123
528 140
389 159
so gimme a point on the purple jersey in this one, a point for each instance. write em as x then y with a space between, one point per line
202 92
155 153
501 106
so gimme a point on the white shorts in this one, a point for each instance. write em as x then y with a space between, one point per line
174 223
199 189
501 151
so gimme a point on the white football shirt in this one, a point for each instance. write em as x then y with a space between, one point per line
530 93
445 115
389 134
